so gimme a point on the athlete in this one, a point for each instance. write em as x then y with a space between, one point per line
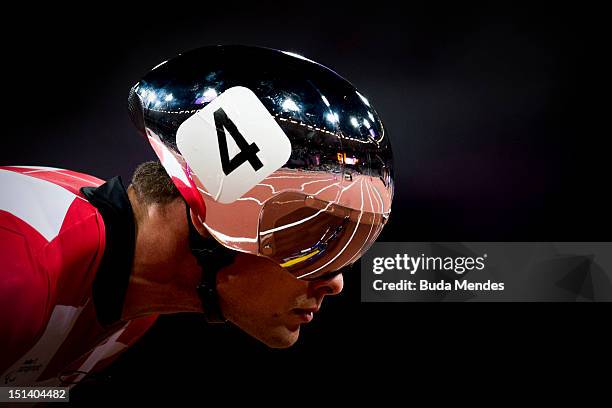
248 216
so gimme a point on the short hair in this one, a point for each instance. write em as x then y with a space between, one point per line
153 184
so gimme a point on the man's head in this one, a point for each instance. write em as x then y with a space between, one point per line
255 294
280 160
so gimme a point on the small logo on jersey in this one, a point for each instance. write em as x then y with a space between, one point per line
27 366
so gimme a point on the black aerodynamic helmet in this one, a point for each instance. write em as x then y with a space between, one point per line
279 156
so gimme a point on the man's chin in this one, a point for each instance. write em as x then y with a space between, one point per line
281 337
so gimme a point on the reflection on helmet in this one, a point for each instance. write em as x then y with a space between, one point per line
327 204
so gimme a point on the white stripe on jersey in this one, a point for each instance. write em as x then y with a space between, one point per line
36 168
107 349
40 203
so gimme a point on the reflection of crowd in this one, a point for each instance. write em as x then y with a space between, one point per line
308 158
314 159
319 152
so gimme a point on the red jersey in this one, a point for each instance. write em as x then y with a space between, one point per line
52 243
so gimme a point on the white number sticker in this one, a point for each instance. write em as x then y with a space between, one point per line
233 144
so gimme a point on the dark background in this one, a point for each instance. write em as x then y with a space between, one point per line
498 125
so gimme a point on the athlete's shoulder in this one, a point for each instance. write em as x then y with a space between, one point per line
40 203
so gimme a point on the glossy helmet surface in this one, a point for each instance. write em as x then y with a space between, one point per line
278 155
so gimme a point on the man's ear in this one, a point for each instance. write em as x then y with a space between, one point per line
198 224
131 192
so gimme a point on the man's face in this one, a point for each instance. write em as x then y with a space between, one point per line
268 303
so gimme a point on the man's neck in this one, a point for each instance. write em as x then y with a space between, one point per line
164 272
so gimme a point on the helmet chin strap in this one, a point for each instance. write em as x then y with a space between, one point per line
212 257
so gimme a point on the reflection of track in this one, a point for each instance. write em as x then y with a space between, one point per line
350 247
366 195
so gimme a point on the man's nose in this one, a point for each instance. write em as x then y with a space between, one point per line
331 286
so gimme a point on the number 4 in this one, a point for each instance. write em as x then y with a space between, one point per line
248 152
